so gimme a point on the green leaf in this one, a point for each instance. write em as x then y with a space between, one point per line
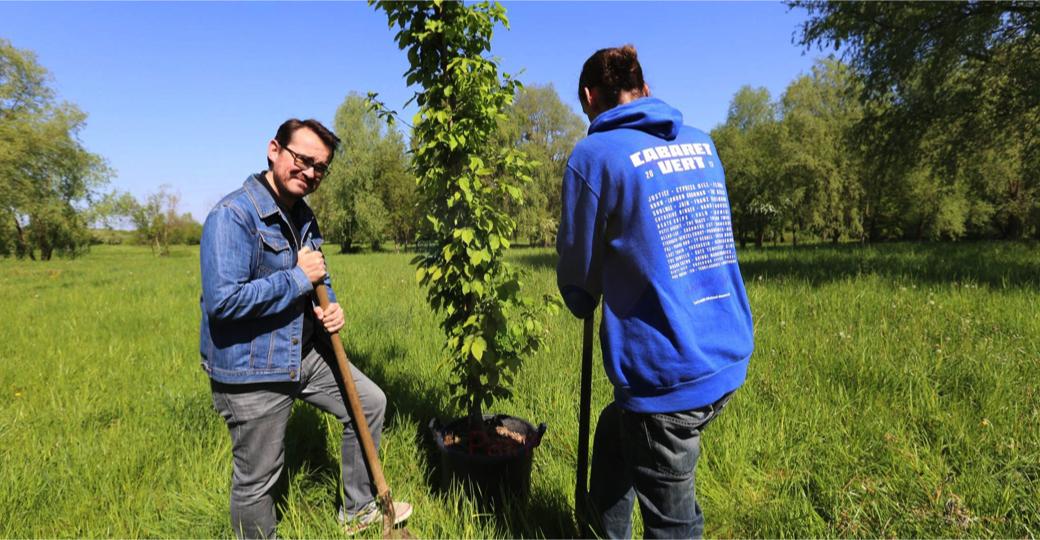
476 256
467 235
478 347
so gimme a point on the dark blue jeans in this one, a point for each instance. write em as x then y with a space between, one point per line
652 457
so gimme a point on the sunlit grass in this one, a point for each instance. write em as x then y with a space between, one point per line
893 392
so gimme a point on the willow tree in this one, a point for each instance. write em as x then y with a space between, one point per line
950 92
47 178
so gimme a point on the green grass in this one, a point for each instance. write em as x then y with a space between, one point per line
893 392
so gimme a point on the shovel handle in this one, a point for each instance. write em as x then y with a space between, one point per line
581 489
367 446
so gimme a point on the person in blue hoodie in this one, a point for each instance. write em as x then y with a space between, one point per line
646 225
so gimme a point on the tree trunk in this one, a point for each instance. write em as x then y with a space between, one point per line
475 414
46 250
874 232
22 247
41 234
1015 228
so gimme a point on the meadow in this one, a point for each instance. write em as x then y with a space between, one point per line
893 393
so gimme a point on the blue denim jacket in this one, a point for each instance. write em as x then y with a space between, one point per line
253 294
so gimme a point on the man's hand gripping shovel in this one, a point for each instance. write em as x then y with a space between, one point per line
375 469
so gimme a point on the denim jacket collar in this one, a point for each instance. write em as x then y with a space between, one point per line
266 206
259 196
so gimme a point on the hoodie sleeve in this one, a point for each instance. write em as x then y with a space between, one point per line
579 244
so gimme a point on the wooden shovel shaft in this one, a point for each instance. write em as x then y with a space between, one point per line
581 489
368 447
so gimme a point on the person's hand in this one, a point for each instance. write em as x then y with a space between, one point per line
332 318
312 263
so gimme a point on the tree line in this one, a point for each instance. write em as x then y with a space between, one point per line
928 130
923 126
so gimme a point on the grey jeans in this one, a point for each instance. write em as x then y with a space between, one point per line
256 416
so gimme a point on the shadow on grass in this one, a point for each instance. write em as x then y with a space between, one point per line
534 258
541 514
994 264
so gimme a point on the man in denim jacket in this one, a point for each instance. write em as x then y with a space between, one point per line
261 258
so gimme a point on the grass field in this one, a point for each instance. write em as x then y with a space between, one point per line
893 393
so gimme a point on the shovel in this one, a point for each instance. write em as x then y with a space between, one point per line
368 448
582 506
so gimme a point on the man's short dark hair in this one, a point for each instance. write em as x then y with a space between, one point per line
286 130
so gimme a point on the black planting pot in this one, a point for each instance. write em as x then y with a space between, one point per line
491 478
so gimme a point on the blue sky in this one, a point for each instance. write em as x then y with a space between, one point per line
188 94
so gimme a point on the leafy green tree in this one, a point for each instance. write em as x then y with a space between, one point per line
541 125
1001 195
396 188
749 145
47 178
464 184
186 230
368 194
155 218
345 204
822 172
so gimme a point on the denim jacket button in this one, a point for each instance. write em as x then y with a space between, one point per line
295 341
292 374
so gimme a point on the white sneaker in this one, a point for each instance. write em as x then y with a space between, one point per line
370 514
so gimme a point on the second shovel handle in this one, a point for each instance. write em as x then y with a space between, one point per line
581 489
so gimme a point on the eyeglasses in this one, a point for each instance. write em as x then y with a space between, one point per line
307 162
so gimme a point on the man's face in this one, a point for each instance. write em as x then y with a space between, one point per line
293 177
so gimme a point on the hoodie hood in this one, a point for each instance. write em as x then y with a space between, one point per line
649 115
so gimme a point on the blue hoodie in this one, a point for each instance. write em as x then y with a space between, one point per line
646 223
